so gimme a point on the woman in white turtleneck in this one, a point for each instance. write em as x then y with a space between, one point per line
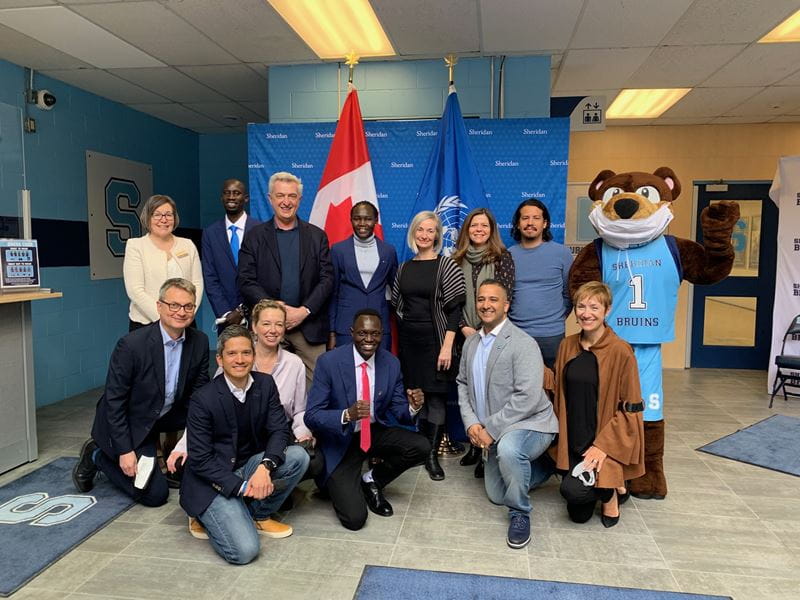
363 267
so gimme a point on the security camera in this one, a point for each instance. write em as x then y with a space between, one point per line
44 99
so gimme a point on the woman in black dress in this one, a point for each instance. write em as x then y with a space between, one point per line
481 255
428 295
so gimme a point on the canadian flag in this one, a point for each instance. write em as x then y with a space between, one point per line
347 178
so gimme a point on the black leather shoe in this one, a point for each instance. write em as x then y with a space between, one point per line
375 500
472 456
433 467
479 470
608 521
85 470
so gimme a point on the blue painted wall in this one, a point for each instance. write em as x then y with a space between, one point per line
74 336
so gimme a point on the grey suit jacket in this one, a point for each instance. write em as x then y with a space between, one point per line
514 395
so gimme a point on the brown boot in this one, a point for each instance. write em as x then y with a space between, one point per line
644 487
654 459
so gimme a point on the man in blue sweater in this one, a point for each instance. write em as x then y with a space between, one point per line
541 294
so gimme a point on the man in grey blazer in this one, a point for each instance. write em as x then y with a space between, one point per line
505 409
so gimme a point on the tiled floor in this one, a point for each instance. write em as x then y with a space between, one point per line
725 527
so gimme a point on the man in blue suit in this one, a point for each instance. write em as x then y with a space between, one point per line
363 268
242 465
220 253
356 388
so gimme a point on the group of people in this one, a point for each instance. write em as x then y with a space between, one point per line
307 387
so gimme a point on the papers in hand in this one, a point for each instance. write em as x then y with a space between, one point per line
144 470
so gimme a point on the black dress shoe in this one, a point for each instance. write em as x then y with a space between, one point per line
479 470
608 521
85 470
472 456
375 500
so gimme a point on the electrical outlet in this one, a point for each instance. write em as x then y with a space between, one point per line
30 125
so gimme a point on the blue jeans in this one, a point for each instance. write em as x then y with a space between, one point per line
515 466
229 521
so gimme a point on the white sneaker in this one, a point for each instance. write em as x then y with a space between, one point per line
144 470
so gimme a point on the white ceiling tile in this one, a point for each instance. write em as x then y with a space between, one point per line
106 85
72 34
786 119
710 102
25 3
682 66
249 29
628 122
177 115
23 50
220 111
525 26
681 121
626 24
170 83
760 64
741 120
164 34
419 27
793 79
771 101
217 130
599 69
261 70
237 82
260 108
728 21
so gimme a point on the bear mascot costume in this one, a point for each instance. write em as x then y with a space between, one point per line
644 267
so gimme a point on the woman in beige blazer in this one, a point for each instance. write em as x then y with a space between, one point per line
155 257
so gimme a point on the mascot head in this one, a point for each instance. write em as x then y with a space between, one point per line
632 209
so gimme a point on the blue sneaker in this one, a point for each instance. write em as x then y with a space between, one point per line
519 531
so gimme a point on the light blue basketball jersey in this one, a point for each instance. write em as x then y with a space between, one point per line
644 286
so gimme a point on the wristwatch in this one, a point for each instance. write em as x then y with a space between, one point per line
269 464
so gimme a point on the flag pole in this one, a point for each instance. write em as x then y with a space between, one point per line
351 60
446 445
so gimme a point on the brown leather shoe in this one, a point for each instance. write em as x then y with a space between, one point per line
196 529
272 528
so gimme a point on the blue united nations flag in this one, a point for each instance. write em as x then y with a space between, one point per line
451 185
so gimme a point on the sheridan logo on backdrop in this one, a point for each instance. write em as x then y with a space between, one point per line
401 165
276 136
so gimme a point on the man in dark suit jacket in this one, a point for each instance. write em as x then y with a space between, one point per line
217 253
288 259
241 467
363 268
152 374
356 389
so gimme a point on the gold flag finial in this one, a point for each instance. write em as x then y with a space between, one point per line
451 60
351 61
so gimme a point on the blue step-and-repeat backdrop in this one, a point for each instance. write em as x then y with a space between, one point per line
516 158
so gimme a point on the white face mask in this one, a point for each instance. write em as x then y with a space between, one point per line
630 233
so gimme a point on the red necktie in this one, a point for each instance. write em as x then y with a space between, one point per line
366 438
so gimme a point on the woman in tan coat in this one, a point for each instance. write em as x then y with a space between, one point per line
599 408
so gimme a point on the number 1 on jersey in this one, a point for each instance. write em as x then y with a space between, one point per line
637 283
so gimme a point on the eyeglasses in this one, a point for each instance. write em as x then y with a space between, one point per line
165 216
175 307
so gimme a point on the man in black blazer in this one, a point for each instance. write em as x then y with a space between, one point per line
356 396
241 466
152 374
220 253
287 259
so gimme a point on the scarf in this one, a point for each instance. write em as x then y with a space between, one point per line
474 267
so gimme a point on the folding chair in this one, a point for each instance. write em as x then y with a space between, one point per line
788 374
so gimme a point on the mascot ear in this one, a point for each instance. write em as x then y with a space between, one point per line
668 175
598 182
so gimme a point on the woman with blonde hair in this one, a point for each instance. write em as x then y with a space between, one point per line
156 256
428 295
599 407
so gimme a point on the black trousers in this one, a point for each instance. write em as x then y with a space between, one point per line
399 449
157 491
581 499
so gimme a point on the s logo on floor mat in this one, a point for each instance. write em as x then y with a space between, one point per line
40 510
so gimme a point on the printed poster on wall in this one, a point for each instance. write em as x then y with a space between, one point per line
516 159
116 189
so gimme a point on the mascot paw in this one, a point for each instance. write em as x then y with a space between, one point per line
724 213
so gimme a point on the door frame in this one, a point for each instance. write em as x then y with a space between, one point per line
693 236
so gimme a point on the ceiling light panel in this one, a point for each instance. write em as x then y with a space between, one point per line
334 28
70 33
643 104
788 31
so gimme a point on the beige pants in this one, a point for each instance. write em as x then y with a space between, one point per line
308 353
